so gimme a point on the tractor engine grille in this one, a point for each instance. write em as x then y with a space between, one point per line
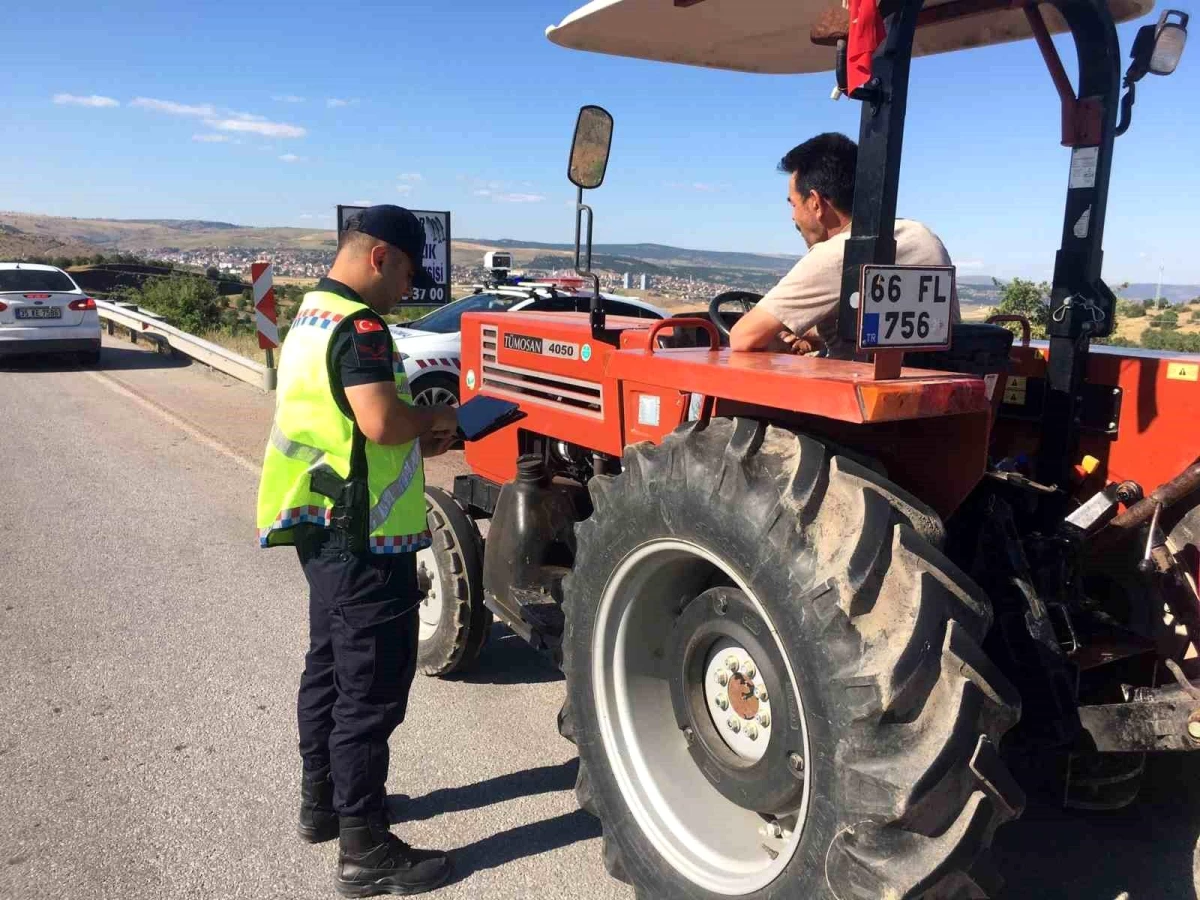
530 386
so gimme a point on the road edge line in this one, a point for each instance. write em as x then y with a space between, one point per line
166 415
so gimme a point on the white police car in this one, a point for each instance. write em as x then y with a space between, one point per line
431 345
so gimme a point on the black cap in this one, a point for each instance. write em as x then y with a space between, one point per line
400 228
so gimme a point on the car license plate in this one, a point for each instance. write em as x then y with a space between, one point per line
39 312
905 307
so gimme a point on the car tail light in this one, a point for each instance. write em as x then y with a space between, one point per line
37 296
3 307
82 305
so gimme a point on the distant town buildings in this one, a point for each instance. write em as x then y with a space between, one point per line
315 263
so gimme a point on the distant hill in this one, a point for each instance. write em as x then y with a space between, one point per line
29 234
658 253
1174 293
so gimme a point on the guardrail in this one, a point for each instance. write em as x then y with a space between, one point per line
152 327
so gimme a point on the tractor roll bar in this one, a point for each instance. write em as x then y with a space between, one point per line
1081 304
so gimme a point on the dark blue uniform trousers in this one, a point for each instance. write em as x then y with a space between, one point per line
363 629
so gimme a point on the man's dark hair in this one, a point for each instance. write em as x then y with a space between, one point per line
352 238
825 164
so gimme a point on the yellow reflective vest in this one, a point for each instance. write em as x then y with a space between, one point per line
313 439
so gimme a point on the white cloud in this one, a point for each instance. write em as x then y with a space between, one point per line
175 109
94 100
970 264
699 186
519 198
213 139
411 177
483 192
258 126
334 102
362 203
291 158
287 98
227 120
404 188
307 216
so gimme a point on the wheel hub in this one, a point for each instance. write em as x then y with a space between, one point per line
429 583
728 823
737 700
725 681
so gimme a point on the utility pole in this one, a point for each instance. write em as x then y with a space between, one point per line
1158 290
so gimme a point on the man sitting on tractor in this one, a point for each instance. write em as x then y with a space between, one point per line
799 314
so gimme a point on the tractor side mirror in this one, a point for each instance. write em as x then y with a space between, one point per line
1158 48
589 149
1169 43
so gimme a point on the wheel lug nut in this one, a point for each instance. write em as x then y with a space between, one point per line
734 725
752 731
723 702
748 669
764 720
762 695
722 679
732 663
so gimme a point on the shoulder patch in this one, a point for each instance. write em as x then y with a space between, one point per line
364 325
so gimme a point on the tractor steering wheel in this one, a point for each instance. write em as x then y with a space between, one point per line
747 298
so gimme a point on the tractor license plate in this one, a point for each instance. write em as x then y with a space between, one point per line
905 307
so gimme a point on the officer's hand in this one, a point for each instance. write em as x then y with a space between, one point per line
435 444
445 420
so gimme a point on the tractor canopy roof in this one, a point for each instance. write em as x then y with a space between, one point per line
778 36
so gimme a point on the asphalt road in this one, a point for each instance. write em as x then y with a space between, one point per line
149 655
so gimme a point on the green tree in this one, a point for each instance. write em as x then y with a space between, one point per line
1171 340
186 301
1025 298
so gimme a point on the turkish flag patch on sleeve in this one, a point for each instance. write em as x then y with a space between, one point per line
363 326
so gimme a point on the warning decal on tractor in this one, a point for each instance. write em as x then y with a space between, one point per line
1183 371
1014 390
524 343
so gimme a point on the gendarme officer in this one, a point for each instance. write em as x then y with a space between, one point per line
342 480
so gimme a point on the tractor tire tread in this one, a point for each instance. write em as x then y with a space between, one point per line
921 708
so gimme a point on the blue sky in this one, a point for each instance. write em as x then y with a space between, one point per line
271 113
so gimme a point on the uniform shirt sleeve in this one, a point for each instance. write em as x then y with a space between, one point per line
362 353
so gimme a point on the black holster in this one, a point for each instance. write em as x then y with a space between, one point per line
350 502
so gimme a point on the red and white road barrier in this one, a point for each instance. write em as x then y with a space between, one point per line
262 274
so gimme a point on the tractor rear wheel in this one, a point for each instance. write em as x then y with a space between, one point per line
775 681
454 621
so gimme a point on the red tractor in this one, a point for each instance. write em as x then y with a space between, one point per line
825 622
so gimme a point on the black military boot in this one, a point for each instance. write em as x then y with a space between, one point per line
372 860
318 821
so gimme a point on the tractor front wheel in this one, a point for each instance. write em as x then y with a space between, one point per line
774 679
454 621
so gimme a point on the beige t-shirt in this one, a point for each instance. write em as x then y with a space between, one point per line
807 296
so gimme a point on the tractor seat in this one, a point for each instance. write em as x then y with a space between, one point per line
976 348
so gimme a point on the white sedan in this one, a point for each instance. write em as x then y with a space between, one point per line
431 345
42 310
